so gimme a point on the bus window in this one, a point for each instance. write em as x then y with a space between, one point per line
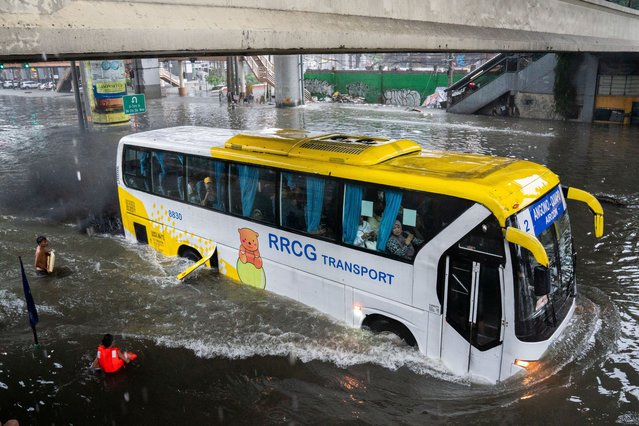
158 172
487 330
360 223
136 168
351 218
253 192
376 219
481 325
459 286
206 182
329 221
435 212
486 239
308 204
293 202
484 243
407 233
168 172
393 221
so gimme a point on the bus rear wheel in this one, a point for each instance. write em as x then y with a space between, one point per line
190 254
388 326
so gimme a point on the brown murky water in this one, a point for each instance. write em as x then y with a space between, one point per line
213 352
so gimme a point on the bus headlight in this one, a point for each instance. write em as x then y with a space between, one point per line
523 364
357 312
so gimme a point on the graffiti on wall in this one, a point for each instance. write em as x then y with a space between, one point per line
318 87
357 89
402 97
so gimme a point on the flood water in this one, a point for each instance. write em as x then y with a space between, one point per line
214 352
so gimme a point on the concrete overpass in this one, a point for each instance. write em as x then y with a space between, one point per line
80 29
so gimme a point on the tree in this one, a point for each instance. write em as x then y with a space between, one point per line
216 77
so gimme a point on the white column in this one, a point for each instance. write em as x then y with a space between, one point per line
147 78
182 90
288 90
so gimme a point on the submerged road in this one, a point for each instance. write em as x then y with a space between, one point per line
213 352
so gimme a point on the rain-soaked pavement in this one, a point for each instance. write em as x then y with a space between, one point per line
213 352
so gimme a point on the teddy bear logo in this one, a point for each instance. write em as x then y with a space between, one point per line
249 261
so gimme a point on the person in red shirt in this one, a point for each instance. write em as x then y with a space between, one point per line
109 358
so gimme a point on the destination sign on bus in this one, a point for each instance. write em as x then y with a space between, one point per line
539 216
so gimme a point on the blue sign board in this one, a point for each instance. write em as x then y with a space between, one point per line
539 216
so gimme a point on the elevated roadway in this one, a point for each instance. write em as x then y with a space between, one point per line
80 29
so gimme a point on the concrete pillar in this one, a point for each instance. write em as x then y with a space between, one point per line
147 78
589 71
182 90
236 76
229 78
242 76
288 81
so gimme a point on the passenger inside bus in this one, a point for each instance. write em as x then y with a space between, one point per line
293 215
252 188
257 214
168 170
265 200
365 234
376 218
191 191
402 243
209 192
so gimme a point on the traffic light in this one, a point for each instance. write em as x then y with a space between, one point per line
25 65
1 66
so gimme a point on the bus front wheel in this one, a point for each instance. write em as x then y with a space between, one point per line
385 325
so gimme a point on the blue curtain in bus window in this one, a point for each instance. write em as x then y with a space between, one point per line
314 202
144 157
144 168
159 155
180 177
288 177
352 210
248 185
393 203
219 186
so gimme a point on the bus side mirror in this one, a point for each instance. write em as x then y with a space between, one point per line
541 281
593 204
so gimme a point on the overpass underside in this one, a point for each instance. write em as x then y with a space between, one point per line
75 29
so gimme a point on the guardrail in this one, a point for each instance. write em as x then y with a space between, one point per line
490 71
169 77
262 68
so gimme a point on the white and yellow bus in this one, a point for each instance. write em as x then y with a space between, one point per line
468 257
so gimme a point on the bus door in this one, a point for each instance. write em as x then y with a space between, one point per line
472 330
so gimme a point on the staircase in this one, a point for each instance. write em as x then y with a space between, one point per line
262 68
502 74
172 79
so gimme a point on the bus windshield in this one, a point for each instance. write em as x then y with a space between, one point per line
538 317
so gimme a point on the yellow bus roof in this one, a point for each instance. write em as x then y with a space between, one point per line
334 148
503 185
